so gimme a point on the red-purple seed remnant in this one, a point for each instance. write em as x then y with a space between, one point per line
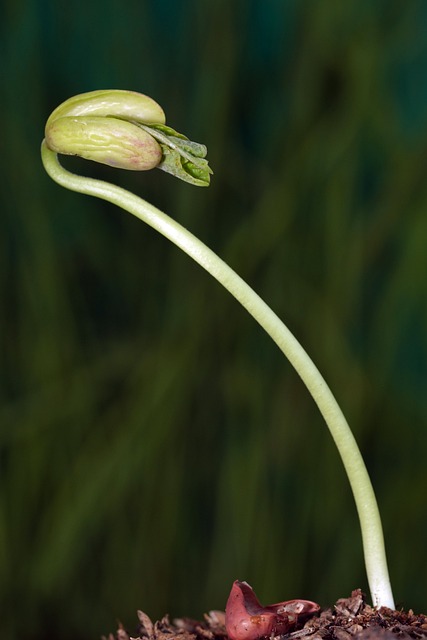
247 619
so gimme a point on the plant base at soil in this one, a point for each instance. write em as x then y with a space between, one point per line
349 619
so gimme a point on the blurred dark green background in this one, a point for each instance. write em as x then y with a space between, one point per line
154 445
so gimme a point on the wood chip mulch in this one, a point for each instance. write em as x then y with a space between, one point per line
350 619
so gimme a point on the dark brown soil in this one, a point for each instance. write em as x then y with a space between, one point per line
350 619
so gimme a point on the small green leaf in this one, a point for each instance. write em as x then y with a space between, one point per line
182 157
173 163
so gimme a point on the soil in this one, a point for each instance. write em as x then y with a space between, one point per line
350 619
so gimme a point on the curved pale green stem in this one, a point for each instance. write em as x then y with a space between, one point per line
373 541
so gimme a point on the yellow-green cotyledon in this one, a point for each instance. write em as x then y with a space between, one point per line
126 130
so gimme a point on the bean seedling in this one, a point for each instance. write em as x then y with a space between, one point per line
128 130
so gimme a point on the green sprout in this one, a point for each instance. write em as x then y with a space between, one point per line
127 130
